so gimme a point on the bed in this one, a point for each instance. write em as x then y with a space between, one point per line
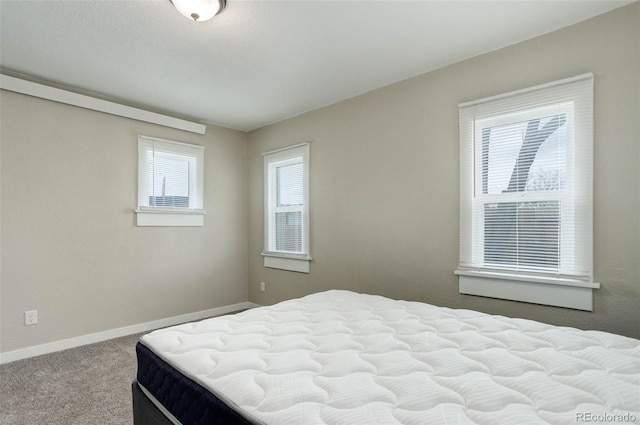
339 357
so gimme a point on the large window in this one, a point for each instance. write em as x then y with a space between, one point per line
526 195
169 183
286 216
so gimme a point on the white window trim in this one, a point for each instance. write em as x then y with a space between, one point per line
550 289
170 216
556 292
292 261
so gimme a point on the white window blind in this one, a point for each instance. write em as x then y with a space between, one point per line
286 206
170 179
526 183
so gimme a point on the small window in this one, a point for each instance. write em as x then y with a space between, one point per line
523 187
526 177
287 209
169 183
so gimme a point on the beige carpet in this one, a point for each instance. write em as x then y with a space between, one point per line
89 385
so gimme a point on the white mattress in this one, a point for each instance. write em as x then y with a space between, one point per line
340 357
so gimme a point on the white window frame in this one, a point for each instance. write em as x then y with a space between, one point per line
273 258
147 215
557 288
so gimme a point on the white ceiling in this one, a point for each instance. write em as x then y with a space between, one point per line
260 61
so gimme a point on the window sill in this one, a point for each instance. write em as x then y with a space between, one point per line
559 292
292 262
158 217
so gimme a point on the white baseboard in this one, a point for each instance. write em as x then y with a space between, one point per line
37 350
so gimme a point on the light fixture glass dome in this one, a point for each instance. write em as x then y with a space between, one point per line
199 10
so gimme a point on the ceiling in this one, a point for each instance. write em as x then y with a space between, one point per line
260 61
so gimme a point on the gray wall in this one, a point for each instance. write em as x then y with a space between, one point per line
384 195
385 186
70 248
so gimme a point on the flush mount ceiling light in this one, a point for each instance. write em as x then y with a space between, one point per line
199 10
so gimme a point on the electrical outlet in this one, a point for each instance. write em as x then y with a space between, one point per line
31 317
263 286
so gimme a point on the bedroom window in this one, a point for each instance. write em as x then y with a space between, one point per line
170 180
526 178
286 209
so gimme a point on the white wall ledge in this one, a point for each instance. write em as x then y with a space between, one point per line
283 261
169 218
523 277
557 294
42 91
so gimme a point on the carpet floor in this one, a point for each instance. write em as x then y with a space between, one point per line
88 385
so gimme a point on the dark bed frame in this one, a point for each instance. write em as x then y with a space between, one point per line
144 411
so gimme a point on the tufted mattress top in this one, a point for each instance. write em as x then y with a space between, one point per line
339 357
